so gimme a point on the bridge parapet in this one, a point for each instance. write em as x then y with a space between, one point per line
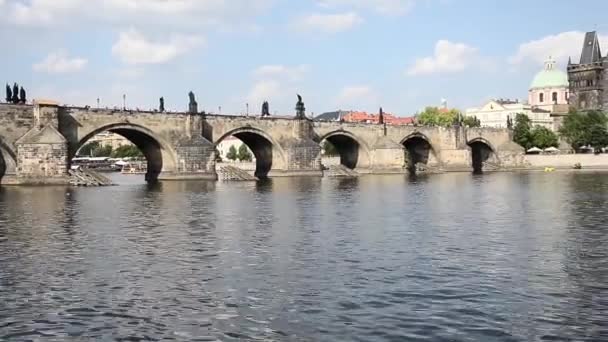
37 142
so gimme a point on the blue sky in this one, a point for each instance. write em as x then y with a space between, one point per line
339 54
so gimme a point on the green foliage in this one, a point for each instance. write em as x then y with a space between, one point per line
598 137
543 137
87 150
127 151
433 116
329 149
94 149
244 154
471 121
527 136
585 129
232 154
521 131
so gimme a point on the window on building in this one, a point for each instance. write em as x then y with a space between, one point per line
554 97
541 97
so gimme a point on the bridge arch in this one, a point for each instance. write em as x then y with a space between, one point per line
267 152
419 152
8 160
482 154
159 154
354 152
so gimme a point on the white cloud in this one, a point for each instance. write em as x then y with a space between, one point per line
264 90
149 13
277 84
449 57
357 97
59 62
559 46
392 7
134 48
293 73
329 23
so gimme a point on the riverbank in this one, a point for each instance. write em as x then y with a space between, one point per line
568 161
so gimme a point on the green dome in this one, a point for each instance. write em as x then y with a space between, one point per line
550 77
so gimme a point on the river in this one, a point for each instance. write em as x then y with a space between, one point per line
452 257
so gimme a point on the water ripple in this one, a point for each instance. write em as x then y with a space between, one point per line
502 257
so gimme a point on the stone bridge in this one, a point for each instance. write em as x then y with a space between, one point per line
37 143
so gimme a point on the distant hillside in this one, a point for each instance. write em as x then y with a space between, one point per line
329 116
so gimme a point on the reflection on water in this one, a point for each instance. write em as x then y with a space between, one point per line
455 257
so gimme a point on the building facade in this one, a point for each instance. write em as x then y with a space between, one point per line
548 97
589 78
495 113
549 89
110 139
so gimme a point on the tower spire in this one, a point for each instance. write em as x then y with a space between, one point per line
591 49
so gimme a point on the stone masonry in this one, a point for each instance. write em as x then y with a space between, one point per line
37 143
589 78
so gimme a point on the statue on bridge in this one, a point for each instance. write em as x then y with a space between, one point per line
161 106
9 94
192 106
265 109
22 96
300 108
15 98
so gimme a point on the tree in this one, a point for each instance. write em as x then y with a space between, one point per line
87 150
95 149
543 137
598 137
329 149
433 116
127 151
9 94
471 121
584 129
244 154
521 131
15 98
103 151
232 154
22 96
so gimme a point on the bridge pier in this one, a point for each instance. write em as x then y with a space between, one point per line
388 157
42 152
195 158
303 155
37 143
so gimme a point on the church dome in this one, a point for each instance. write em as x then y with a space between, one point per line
550 77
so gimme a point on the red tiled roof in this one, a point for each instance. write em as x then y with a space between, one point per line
389 118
